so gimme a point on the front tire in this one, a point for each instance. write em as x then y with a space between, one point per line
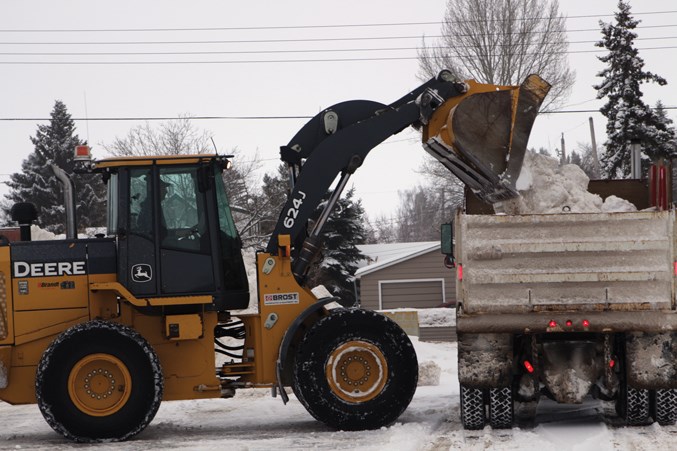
99 381
355 370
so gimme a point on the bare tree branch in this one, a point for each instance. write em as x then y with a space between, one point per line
501 42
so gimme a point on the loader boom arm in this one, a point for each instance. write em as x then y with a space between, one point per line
337 140
475 143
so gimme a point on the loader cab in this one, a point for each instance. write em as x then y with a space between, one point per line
175 232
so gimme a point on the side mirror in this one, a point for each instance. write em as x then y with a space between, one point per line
447 239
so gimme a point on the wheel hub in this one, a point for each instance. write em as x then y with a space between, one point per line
356 371
99 384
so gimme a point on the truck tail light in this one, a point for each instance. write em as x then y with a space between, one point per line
612 363
569 323
552 323
528 366
586 323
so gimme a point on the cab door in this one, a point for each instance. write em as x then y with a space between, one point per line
186 262
165 247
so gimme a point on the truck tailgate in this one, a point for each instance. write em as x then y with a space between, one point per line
597 261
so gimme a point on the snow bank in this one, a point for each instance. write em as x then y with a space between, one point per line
428 373
437 317
38 234
545 187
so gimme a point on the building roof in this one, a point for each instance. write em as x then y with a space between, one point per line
381 256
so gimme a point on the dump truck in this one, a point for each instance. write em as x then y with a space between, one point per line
567 306
99 331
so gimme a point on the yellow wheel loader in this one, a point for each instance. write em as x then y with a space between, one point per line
99 331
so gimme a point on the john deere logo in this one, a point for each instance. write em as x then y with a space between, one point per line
142 273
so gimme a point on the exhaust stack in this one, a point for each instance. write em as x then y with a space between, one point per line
69 200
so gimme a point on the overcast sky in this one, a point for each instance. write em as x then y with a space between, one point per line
239 84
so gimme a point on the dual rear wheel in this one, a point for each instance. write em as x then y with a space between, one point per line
640 406
474 403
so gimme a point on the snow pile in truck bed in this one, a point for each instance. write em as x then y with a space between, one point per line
545 187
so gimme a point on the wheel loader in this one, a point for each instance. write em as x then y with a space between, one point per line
99 331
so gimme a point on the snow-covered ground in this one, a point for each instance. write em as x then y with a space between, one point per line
253 420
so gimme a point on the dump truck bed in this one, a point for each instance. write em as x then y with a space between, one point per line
599 262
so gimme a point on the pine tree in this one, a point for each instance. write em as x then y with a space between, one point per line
36 183
275 189
666 145
342 233
628 117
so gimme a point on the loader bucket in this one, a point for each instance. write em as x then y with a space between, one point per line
483 137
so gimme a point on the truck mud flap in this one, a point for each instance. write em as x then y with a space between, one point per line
485 360
651 360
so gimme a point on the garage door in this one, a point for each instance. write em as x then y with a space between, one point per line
411 293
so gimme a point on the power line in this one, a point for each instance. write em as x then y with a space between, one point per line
158 118
238 52
244 118
306 60
294 27
255 41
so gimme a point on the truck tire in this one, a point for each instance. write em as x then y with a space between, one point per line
636 406
473 415
355 369
99 381
666 407
501 408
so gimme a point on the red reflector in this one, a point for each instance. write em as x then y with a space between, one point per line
586 323
569 323
459 272
612 362
552 323
676 268
528 366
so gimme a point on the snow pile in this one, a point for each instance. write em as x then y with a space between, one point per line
437 317
249 259
428 373
614 204
545 187
38 234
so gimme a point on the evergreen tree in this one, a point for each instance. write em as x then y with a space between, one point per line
36 183
344 230
275 190
628 118
666 145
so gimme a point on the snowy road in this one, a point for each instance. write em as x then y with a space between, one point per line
255 421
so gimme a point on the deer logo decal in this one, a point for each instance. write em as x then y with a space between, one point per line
142 273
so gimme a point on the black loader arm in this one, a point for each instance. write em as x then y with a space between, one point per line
337 141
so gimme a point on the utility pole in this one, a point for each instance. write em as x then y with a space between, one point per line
564 152
595 159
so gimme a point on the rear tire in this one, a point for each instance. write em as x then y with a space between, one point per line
636 406
666 407
355 370
501 408
99 381
473 415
